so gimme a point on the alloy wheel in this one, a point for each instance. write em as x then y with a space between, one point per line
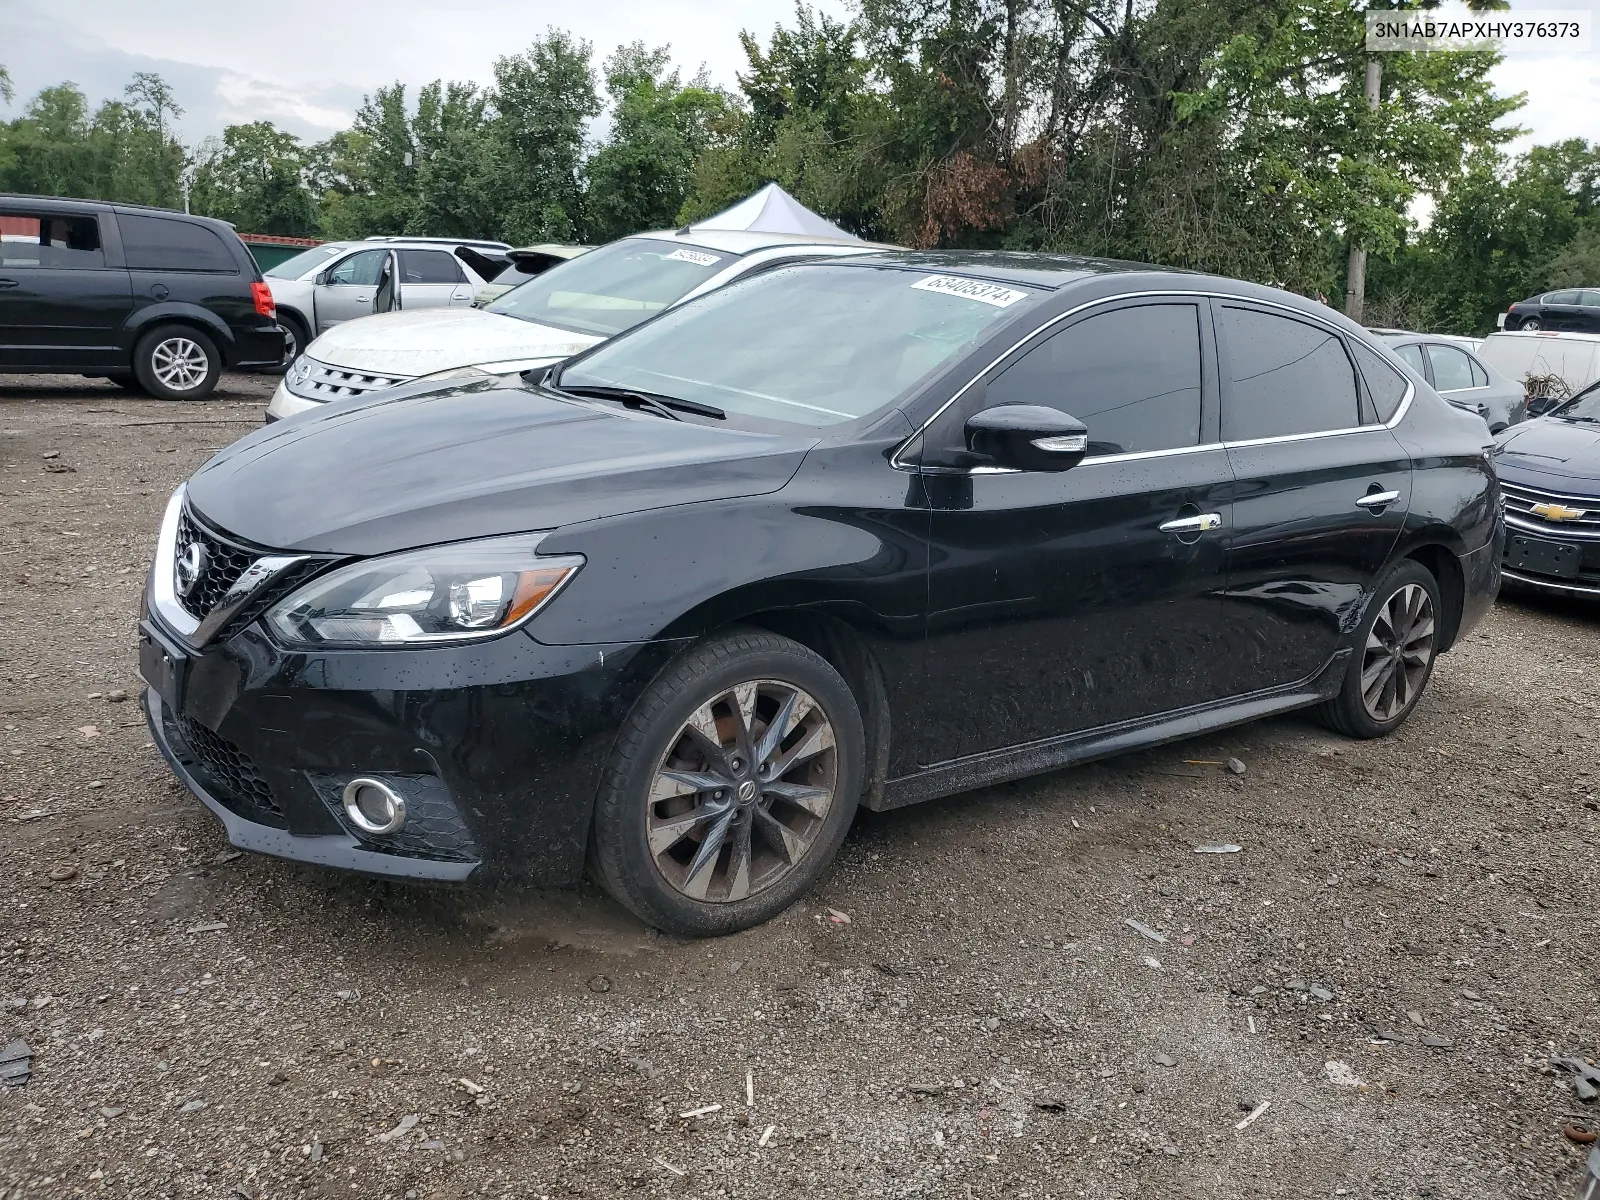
742 791
1398 652
179 364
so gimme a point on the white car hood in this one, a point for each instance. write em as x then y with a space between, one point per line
436 339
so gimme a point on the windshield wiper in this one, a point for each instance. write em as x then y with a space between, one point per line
656 402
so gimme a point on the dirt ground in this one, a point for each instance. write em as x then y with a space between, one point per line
985 1024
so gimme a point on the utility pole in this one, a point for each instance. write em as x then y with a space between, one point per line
1355 280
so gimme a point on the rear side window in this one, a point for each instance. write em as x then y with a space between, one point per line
170 244
1560 298
1412 357
65 243
429 266
1589 299
1131 375
1385 385
1480 377
1284 377
1452 369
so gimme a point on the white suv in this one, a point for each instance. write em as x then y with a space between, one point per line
566 309
340 281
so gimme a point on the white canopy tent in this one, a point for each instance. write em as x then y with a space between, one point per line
773 210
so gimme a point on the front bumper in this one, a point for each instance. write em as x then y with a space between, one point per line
1480 578
497 747
262 347
286 404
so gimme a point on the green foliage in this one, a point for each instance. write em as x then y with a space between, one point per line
544 99
1577 264
252 177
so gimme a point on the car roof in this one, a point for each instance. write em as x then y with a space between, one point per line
48 202
1400 337
745 241
1563 335
476 243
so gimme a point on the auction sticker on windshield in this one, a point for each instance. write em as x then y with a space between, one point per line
698 257
971 289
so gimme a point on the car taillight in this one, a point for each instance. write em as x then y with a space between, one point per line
263 298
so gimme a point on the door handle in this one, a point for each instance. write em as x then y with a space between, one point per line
1378 499
362 299
1199 524
8 283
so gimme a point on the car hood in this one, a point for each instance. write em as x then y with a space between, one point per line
485 458
436 339
1552 448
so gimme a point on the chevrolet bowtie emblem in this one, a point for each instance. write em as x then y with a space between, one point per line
1559 512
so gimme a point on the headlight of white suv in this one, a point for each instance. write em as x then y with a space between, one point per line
460 593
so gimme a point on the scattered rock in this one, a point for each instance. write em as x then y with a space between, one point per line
1320 992
992 1023
1415 1017
1470 994
1144 930
1153 963
110 1113
116 696
407 1124
1235 767
225 856
1341 1074
1163 1059
63 874
1436 1041
49 454
835 917
16 1064
194 1105
207 927
1218 848
599 983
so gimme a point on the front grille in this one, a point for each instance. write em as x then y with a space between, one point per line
325 382
231 773
224 562
1520 502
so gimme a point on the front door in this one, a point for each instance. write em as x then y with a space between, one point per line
1323 490
432 279
1061 602
61 305
350 288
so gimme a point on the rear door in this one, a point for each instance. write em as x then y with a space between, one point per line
1561 311
1323 488
62 302
1061 602
432 279
1588 311
1453 376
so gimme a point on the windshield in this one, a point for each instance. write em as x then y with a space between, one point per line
304 262
613 288
1585 406
805 345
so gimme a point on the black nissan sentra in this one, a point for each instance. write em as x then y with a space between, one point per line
847 534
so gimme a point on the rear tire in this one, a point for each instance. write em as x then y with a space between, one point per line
730 787
1531 325
177 362
1395 650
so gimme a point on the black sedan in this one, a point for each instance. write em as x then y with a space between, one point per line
848 534
1550 476
1574 310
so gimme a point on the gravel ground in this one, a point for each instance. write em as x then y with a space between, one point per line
984 1024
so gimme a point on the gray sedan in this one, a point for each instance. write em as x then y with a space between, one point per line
1461 377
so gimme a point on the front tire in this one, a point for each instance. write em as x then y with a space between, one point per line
1393 661
177 362
731 785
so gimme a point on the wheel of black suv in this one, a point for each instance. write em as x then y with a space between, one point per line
177 362
731 786
1531 325
1394 655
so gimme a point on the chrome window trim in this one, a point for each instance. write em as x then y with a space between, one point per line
1391 423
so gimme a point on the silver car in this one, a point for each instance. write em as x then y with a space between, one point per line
1461 376
340 281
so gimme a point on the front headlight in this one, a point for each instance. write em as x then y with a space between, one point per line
460 593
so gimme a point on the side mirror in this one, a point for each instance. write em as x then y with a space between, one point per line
1028 437
323 277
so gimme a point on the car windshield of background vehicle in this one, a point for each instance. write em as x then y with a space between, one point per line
64 243
612 288
304 263
1286 377
803 345
1132 376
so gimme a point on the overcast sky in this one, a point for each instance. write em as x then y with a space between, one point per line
305 64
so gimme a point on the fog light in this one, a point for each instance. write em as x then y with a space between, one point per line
374 806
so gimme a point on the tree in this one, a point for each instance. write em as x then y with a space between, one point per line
640 176
543 100
7 92
1577 264
253 178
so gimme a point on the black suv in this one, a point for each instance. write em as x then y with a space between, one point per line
145 297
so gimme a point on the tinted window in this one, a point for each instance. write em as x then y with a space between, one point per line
1132 376
1589 299
485 267
1560 298
429 266
360 270
1412 357
168 244
1286 377
1385 385
69 243
1452 370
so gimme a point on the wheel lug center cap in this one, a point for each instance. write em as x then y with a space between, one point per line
747 792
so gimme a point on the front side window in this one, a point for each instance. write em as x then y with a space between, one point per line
613 288
360 270
1131 375
1385 385
429 266
65 243
1452 369
172 244
1284 377
803 345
